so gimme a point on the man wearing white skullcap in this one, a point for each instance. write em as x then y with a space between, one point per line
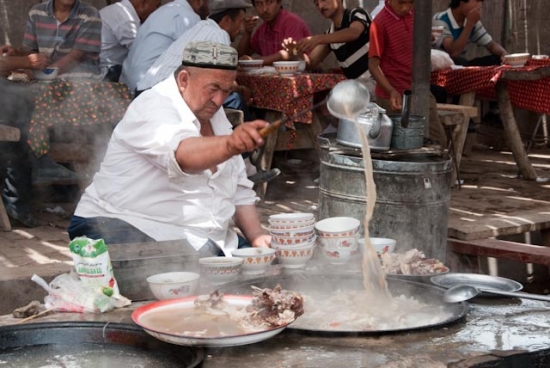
173 168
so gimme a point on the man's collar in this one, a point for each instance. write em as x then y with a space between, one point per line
452 19
72 14
389 9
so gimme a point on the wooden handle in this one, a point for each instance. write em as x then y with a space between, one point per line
264 132
43 313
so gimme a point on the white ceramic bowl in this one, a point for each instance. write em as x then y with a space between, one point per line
295 257
284 240
219 270
302 66
291 226
516 60
46 74
255 260
286 68
297 232
337 227
171 285
380 245
295 218
249 65
339 250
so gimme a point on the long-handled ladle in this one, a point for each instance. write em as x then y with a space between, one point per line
461 293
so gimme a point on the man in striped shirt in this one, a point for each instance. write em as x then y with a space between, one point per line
69 32
462 25
347 37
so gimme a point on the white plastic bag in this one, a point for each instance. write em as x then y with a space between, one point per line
67 293
441 60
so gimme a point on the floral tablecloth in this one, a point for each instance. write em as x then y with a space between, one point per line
77 102
531 95
290 95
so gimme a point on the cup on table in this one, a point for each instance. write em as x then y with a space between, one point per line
437 31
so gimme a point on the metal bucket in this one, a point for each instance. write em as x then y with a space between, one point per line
413 194
408 138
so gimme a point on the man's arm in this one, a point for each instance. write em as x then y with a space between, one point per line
32 61
455 47
315 57
243 48
247 220
496 49
197 154
382 81
352 33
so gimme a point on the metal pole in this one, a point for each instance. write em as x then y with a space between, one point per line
421 60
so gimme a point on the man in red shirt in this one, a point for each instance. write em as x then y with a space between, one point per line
278 25
391 53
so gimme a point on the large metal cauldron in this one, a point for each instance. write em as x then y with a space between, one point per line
413 194
90 344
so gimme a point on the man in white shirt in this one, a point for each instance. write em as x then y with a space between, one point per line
120 23
164 26
173 168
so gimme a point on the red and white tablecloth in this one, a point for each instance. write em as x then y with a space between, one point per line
531 95
289 95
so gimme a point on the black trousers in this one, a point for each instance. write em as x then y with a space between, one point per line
15 165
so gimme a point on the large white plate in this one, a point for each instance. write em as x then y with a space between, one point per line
170 306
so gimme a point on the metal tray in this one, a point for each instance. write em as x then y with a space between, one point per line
477 280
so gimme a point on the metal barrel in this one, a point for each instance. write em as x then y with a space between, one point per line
413 194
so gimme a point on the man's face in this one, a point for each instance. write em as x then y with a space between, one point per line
201 7
401 7
467 7
328 7
205 90
267 9
65 3
147 7
234 25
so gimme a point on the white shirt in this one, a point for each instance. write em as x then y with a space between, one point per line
162 27
120 24
170 60
140 181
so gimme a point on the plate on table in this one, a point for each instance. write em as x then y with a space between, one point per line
477 280
174 321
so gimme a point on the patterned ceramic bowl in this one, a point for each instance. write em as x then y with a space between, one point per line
516 60
337 227
294 240
298 232
171 285
339 250
380 245
286 68
219 270
46 74
249 65
294 219
295 257
255 260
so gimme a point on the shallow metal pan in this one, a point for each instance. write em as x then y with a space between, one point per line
477 280
90 344
425 293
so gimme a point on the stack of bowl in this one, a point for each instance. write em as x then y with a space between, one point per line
337 237
293 237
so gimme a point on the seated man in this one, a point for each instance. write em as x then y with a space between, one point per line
69 33
15 165
462 26
347 37
173 168
278 25
120 23
164 26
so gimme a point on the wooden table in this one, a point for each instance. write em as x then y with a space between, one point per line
527 87
284 97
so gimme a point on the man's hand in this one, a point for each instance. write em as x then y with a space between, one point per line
289 45
474 15
396 100
7 50
38 61
250 23
262 241
246 137
307 44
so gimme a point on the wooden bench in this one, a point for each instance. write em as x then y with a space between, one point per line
500 249
7 134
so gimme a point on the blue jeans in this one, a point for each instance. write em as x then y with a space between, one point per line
116 231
